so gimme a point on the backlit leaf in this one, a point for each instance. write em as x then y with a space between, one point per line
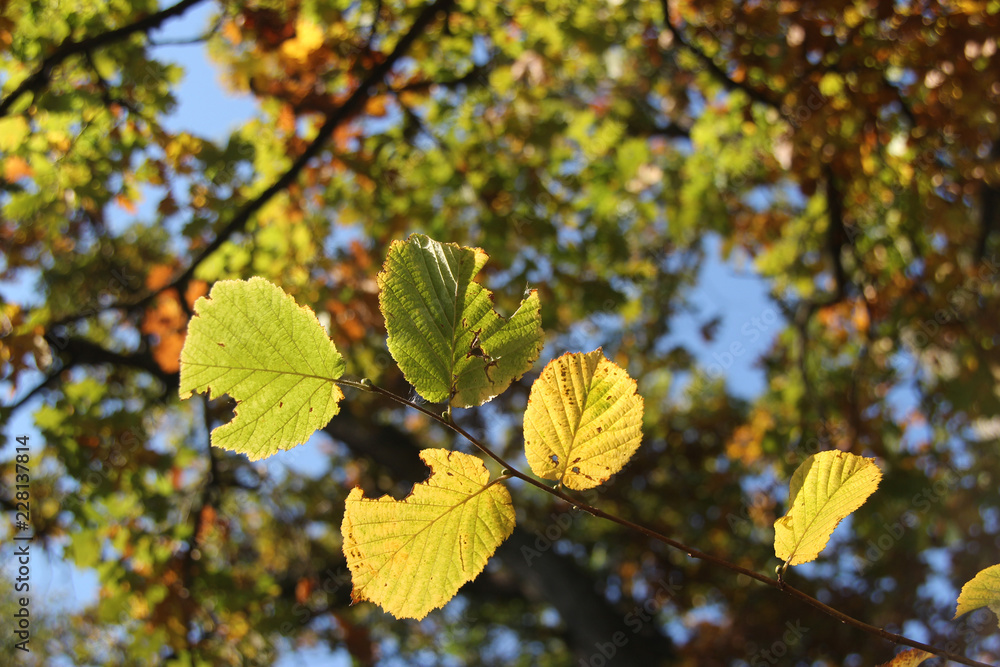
583 421
411 556
983 590
827 487
443 332
250 340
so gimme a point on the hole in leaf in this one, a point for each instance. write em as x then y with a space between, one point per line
575 469
554 458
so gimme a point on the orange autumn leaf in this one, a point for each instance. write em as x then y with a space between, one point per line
859 316
166 321
125 203
195 289
376 106
745 443
167 352
208 515
159 275
303 589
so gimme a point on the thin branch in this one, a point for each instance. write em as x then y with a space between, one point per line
82 352
37 81
510 471
205 498
477 75
344 112
51 379
106 95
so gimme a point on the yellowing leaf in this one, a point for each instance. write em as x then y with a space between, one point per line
824 489
250 340
443 332
583 421
910 658
983 590
411 556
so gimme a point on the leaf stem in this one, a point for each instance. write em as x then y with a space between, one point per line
779 584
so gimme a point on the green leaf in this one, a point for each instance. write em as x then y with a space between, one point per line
827 487
250 340
983 590
411 556
443 332
583 421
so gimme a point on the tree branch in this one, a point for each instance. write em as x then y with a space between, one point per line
692 552
77 351
41 77
989 209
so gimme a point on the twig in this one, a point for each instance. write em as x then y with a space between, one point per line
40 78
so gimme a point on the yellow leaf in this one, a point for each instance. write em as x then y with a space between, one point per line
411 556
824 489
983 590
583 421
